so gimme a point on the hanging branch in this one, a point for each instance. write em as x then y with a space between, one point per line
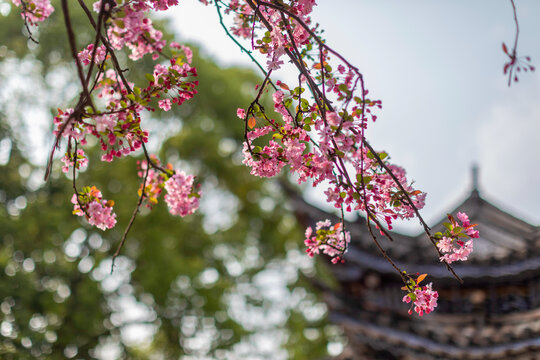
515 64
338 109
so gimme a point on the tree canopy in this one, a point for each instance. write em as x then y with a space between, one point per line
195 287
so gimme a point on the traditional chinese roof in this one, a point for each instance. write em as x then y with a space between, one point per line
494 315
507 247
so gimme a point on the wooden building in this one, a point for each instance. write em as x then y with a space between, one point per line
495 314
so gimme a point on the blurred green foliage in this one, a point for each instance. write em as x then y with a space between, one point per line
189 280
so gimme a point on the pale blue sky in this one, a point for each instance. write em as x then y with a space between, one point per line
437 67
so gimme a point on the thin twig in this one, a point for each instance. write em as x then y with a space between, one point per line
242 48
513 57
132 219
24 11
295 56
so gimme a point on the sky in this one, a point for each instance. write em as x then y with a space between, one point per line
437 67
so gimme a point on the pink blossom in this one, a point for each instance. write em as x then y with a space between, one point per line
330 240
101 216
34 11
105 123
258 132
267 163
278 97
241 113
80 161
460 252
274 64
425 299
445 244
333 118
136 31
165 104
97 210
86 55
463 218
180 197
163 4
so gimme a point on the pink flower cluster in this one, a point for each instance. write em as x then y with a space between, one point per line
339 142
118 128
162 5
424 299
98 211
79 160
85 56
451 244
132 28
116 120
318 133
277 40
34 11
176 77
181 198
330 240
155 180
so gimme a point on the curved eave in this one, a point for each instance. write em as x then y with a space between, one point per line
356 259
508 246
406 341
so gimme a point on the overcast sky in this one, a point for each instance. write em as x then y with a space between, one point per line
437 67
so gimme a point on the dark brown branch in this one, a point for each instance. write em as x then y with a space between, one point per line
73 48
295 56
24 11
108 46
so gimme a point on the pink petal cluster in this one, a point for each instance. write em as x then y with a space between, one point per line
328 239
85 56
155 180
458 252
451 245
425 299
180 197
80 161
165 104
266 163
98 211
162 5
34 11
101 216
135 30
241 113
469 229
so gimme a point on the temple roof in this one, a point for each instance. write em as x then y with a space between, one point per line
507 245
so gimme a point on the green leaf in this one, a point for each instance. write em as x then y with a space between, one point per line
150 77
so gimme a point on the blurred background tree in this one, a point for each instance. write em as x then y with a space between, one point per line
225 283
